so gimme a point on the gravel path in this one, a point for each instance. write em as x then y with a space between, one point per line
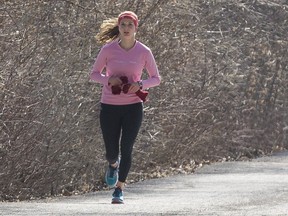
258 187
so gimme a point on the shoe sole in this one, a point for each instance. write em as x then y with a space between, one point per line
117 201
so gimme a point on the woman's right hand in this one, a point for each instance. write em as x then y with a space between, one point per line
114 81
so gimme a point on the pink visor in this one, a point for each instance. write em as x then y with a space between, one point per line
129 15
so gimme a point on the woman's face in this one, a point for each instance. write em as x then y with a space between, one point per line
127 28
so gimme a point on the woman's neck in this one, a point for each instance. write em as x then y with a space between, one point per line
127 44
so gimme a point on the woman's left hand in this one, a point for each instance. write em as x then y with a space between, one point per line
134 87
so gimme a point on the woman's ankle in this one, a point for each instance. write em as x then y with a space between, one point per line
114 165
121 185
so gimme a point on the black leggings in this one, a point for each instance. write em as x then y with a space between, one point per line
120 121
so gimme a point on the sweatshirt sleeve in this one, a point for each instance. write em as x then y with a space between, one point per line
152 69
98 67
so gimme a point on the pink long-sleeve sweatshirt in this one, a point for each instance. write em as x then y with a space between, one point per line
116 61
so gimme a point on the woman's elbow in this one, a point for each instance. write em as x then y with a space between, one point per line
158 80
93 75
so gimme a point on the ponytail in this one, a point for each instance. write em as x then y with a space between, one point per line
108 31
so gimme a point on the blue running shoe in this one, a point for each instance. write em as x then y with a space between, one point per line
111 176
117 196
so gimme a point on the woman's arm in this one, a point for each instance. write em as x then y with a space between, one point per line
152 69
98 67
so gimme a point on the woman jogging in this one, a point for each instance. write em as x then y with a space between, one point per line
119 67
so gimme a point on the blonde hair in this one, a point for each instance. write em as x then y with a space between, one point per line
108 31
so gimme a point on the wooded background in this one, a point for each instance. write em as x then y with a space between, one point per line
223 94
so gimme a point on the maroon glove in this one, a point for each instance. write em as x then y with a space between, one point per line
125 88
116 90
142 95
124 79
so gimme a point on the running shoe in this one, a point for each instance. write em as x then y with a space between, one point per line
117 196
111 176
